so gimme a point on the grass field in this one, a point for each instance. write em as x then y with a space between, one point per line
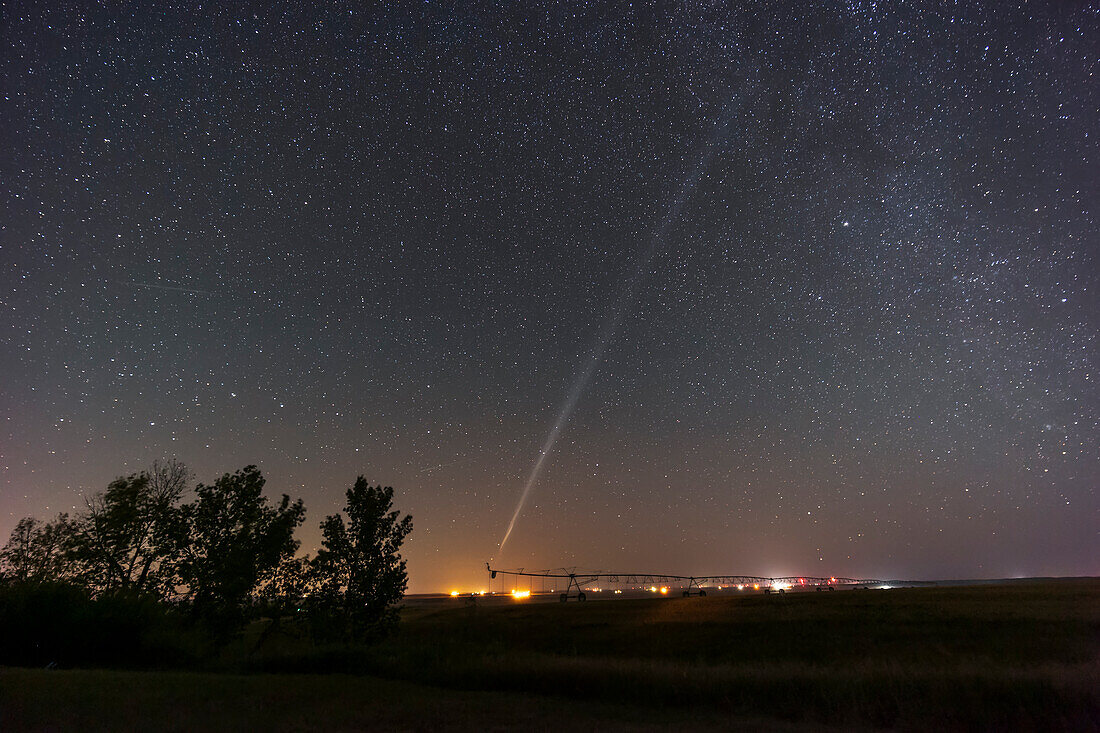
1000 657
37 700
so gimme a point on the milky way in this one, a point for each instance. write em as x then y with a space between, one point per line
333 241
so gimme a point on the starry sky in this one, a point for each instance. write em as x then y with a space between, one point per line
838 263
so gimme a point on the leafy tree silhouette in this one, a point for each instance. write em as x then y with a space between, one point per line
123 541
358 575
233 539
37 551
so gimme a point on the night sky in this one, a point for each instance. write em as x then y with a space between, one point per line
808 290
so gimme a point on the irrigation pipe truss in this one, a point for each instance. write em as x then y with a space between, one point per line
695 583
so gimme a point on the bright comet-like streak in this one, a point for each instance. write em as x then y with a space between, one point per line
615 316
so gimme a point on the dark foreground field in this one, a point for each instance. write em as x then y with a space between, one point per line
1011 657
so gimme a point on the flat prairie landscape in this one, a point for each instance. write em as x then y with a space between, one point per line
1014 656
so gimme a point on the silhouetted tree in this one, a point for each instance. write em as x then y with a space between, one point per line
281 592
125 538
37 551
358 575
233 538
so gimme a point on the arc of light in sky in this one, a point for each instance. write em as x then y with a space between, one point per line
615 316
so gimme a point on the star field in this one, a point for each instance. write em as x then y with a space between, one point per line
334 241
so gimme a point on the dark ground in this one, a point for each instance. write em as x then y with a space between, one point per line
1020 656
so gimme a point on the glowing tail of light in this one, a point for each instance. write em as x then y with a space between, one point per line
548 445
615 316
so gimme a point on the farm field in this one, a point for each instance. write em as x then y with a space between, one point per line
1013 656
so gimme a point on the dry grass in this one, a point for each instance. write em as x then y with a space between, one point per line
77 700
1010 656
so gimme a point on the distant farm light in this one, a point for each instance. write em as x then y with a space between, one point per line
740 587
664 590
518 594
454 593
780 586
652 589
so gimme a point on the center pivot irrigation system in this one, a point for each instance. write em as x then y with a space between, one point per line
578 581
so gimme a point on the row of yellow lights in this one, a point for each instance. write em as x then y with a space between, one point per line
652 589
